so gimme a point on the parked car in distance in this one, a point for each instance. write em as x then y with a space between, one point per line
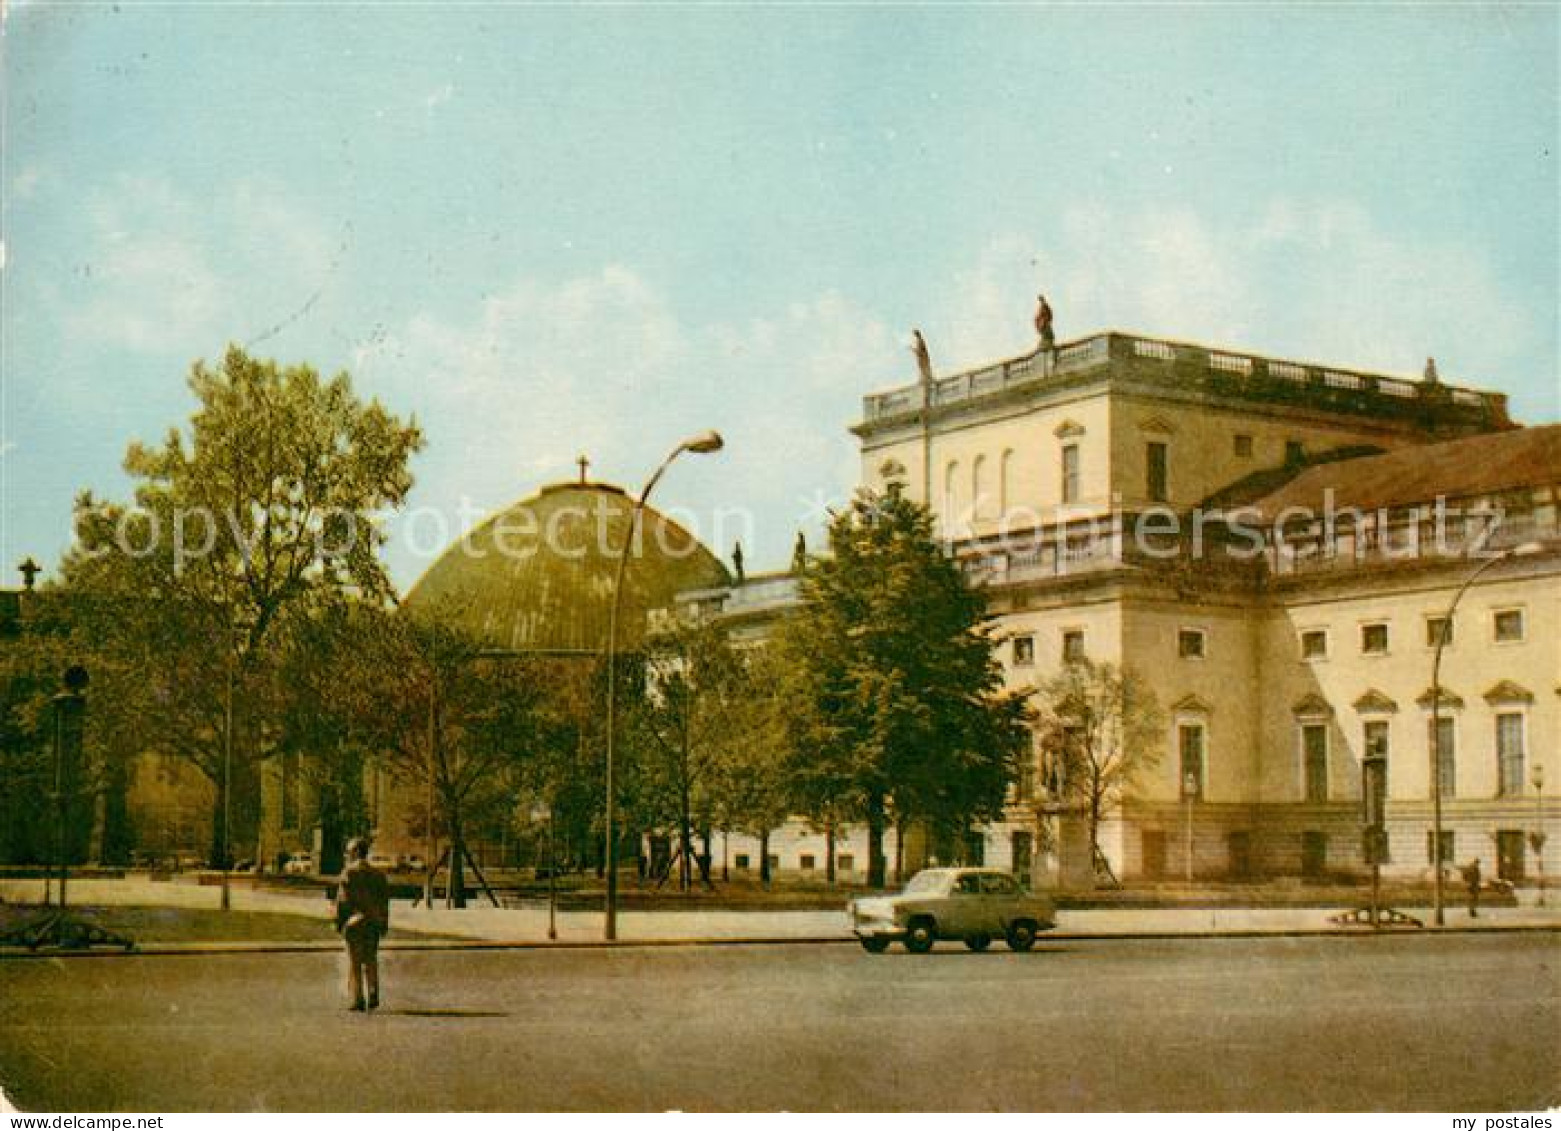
382 862
975 905
299 864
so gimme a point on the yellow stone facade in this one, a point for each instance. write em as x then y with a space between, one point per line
1192 431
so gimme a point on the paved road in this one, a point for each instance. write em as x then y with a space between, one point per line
1468 1023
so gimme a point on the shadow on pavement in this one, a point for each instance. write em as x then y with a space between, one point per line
441 1013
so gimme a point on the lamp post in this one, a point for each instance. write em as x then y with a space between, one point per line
69 706
227 784
701 444
1536 839
1437 900
1374 792
1189 791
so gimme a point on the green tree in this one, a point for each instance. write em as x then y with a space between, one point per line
442 711
689 716
902 709
1100 728
751 786
264 508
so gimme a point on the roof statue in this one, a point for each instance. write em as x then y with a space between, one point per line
923 358
1043 323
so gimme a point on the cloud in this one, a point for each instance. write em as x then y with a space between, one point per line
603 364
165 273
1320 280
26 182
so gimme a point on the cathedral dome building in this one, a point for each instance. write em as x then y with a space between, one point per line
538 576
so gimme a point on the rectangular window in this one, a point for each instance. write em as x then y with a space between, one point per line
1190 745
1024 651
1435 627
742 861
1509 753
1314 644
846 862
1508 625
1189 644
1314 752
1070 473
1441 735
805 863
1374 639
1024 781
1295 452
774 861
1243 445
1448 855
1376 732
1072 645
1157 464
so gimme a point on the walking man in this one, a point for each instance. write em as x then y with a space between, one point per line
1471 877
362 917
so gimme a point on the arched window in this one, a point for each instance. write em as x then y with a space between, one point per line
1004 471
950 492
979 504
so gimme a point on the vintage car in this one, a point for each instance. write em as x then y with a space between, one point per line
975 905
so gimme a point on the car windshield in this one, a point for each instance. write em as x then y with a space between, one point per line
924 882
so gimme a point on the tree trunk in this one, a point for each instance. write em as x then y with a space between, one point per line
455 893
899 851
705 857
217 854
1094 831
764 858
829 854
875 827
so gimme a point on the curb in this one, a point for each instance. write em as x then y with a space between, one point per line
179 950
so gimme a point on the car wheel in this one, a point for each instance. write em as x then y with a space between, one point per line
875 944
978 943
1021 936
920 936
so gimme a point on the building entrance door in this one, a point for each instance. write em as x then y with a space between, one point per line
1239 847
1314 855
1023 851
1154 853
1509 855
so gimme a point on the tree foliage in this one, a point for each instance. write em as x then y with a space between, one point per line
900 701
1100 729
264 509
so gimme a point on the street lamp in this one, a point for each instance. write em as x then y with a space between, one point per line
1522 550
227 783
1189 791
701 444
1536 839
69 706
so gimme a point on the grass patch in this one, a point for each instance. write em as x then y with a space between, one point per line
196 925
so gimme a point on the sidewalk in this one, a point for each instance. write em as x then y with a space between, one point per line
484 925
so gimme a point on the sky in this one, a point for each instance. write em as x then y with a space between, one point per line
554 230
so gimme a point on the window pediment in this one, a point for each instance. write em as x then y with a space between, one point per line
1068 429
1312 706
1192 705
1450 700
1508 692
1156 424
1375 703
